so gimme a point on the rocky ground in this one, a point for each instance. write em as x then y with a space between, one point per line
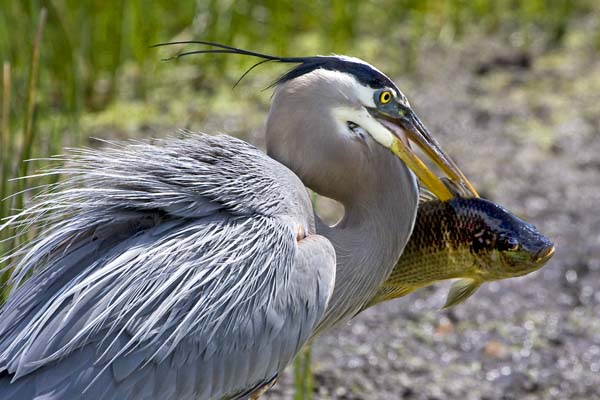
525 127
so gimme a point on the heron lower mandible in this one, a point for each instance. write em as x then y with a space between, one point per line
195 268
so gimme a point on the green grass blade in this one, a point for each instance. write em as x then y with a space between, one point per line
28 131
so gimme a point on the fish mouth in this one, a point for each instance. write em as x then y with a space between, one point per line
544 254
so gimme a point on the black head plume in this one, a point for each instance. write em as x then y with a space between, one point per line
363 72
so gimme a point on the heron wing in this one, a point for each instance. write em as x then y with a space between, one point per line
163 279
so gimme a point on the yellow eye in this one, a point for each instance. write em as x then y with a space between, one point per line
385 97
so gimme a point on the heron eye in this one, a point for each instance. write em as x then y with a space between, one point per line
385 97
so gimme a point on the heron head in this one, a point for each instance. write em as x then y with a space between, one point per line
364 104
347 95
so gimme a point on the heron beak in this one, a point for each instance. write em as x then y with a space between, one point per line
415 131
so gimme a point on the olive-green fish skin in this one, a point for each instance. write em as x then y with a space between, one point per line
472 239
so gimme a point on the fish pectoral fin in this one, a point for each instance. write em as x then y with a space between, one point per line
460 291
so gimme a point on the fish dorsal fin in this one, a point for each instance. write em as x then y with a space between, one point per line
425 195
457 189
461 290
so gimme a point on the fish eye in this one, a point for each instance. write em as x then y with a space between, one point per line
509 244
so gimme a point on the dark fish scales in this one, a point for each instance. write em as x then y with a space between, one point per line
470 239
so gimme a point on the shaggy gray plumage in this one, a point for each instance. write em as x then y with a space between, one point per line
191 269
126 298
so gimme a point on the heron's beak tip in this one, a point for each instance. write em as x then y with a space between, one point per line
417 133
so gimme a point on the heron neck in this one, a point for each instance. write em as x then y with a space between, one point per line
371 236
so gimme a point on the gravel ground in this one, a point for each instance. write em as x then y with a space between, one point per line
525 127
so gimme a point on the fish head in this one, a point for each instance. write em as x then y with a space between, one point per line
503 245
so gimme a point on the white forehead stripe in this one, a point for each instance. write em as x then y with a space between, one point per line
401 97
352 86
365 94
362 117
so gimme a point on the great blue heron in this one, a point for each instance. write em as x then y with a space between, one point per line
195 268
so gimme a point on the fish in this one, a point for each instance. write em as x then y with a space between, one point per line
473 240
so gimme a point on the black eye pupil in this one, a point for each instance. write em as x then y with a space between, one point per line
511 244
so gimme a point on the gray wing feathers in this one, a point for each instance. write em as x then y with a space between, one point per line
165 272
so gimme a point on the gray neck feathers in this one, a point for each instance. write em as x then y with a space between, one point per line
377 190
370 238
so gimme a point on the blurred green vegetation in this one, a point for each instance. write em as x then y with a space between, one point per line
96 66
